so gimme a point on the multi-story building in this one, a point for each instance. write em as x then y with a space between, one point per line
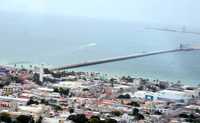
8 106
12 88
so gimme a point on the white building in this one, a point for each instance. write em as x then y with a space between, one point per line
171 95
137 82
164 95
142 94
55 120
19 101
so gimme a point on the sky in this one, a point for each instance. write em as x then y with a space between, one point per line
171 12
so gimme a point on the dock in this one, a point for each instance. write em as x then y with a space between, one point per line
120 58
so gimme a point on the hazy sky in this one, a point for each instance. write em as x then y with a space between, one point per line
178 12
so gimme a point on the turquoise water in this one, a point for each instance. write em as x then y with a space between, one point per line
59 40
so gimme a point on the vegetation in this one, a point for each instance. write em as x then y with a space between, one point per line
110 121
15 79
140 88
116 113
71 110
80 118
112 81
43 101
135 104
128 79
86 89
59 74
32 101
126 96
24 119
135 112
57 108
62 91
137 115
94 120
190 118
197 111
158 113
5 117
47 71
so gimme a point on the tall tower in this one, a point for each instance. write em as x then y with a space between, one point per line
41 72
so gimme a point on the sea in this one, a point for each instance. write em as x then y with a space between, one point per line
58 40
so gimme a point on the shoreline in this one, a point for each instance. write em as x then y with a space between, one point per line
137 76
110 73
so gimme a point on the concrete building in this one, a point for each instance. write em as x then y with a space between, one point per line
8 106
12 88
164 95
19 101
35 110
137 82
171 95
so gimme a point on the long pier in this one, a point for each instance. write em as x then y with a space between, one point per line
115 59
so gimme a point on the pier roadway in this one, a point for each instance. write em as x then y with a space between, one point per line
115 59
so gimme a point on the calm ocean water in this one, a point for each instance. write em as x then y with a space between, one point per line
58 41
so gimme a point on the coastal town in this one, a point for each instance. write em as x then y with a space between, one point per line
99 61
40 95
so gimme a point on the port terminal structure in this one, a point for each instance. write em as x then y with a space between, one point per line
181 48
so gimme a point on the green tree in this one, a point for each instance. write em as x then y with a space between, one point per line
196 120
135 104
58 108
32 101
43 101
56 90
135 112
64 91
158 113
25 119
110 121
47 71
94 120
126 96
71 110
5 117
183 115
116 113
139 117
79 118
112 80
197 111
97 117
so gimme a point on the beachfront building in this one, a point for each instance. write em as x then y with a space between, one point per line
137 82
194 92
68 84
